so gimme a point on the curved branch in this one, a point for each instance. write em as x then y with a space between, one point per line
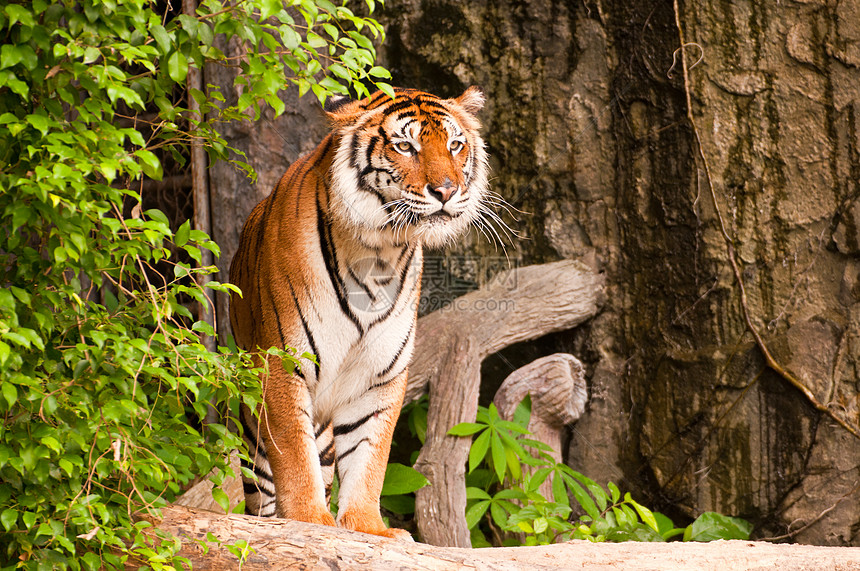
519 305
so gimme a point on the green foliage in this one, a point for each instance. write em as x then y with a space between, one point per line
104 380
507 470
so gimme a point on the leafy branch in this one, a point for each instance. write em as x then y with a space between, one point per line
104 383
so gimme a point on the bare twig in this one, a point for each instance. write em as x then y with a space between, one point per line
730 250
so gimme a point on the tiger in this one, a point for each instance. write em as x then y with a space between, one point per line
330 264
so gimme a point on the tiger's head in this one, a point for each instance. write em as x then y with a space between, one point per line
409 168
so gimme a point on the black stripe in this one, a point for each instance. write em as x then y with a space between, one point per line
306 328
340 430
399 352
253 441
402 133
432 103
369 151
405 114
277 318
399 105
371 190
321 429
379 96
387 381
270 513
327 449
383 135
327 456
403 272
361 284
261 230
351 450
330 260
251 488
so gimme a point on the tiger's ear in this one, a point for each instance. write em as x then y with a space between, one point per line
472 100
342 110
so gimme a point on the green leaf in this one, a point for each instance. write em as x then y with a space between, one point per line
150 164
646 515
386 89
221 499
269 8
711 526
479 449
403 504
91 54
377 71
10 392
400 479
666 527
9 518
182 233
18 13
161 38
40 122
615 493
9 55
582 497
466 429
473 493
476 512
498 456
177 67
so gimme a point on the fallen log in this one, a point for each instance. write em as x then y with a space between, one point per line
282 544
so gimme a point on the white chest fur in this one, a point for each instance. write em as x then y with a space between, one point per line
363 318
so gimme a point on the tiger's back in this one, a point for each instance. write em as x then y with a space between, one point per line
330 264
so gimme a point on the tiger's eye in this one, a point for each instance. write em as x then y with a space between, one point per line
403 146
455 146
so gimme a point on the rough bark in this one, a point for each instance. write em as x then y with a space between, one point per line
523 304
588 129
281 544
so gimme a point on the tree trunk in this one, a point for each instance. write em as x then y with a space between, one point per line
282 544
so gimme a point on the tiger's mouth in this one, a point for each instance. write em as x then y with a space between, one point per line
438 217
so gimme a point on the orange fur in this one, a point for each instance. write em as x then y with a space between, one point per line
330 263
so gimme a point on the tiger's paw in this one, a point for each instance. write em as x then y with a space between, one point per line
319 517
397 533
372 524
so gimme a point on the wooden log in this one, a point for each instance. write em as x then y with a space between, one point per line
558 392
283 544
523 304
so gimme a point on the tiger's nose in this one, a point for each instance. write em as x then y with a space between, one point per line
444 192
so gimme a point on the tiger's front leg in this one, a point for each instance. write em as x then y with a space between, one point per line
286 426
362 443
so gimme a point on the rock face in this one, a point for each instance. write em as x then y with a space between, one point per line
587 127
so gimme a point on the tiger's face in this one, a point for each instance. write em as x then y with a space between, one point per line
411 168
